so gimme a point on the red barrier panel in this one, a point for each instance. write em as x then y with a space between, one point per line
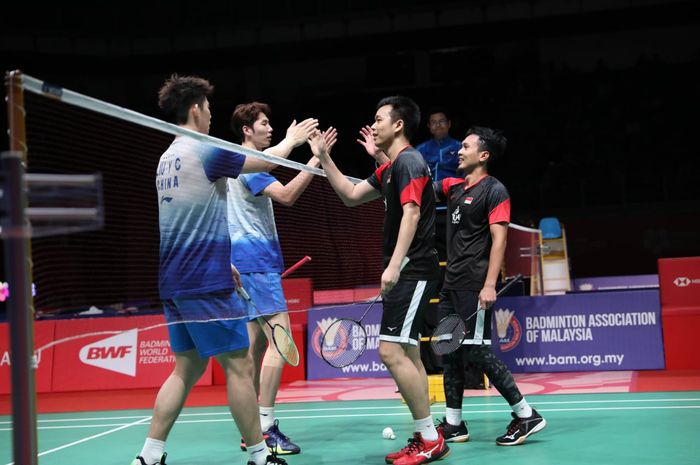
299 296
131 358
43 334
679 281
289 374
680 327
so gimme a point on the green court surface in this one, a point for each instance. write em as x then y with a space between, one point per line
639 428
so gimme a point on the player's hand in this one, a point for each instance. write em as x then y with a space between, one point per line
487 297
297 134
318 146
367 141
330 135
389 278
236 276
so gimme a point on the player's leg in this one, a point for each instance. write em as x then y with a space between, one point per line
454 429
265 290
399 337
189 367
526 420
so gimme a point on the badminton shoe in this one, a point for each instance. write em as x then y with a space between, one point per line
139 461
419 451
277 441
453 433
520 428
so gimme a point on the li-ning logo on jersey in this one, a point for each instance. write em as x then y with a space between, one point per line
116 353
456 216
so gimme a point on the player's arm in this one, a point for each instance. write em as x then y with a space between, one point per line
407 231
288 194
296 135
351 194
499 233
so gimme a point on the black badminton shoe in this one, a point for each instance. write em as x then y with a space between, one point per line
140 461
520 428
453 433
272 459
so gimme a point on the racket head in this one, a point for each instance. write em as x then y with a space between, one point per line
343 342
285 345
448 335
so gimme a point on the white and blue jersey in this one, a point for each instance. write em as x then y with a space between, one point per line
194 239
255 246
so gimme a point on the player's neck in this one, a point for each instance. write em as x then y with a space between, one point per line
397 146
475 176
249 144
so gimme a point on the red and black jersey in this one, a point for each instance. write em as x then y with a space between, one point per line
470 212
407 179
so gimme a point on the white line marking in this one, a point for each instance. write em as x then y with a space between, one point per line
94 436
366 415
306 410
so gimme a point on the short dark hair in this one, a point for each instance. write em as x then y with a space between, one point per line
490 140
403 108
439 109
179 93
246 114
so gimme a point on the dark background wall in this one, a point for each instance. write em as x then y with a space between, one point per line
598 98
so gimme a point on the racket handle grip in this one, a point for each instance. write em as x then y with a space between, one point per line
243 293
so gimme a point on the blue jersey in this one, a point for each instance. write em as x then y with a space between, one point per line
194 241
441 157
255 246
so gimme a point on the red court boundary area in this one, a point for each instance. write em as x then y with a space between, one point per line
367 389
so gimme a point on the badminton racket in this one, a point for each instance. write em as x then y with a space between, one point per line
346 339
280 336
451 331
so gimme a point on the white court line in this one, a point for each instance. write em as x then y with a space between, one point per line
330 409
94 436
369 415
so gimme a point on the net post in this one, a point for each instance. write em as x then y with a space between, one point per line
15 230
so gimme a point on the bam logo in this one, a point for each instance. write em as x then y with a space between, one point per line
116 353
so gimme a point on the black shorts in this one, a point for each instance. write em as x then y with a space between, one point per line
465 304
404 307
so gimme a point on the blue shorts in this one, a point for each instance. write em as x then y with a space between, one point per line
208 337
265 291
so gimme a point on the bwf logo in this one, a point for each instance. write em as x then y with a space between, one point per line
682 281
116 353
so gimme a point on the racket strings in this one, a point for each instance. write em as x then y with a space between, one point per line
448 335
343 343
285 345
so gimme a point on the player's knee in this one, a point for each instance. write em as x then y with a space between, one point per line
390 353
273 358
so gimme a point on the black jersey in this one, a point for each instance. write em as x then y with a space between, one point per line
470 212
407 179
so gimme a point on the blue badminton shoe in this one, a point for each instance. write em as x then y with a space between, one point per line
277 442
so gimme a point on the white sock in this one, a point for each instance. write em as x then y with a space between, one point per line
152 451
453 416
258 453
267 417
426 428
522 409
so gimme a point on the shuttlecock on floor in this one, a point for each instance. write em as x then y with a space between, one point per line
388 433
